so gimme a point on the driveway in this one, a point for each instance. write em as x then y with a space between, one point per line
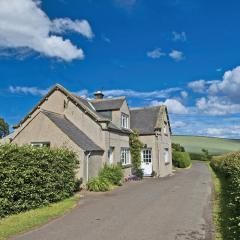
172 208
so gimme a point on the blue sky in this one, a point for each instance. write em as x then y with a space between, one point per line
181 53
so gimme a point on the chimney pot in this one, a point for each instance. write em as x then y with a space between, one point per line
98 95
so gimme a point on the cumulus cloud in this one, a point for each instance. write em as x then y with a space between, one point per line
28 90
178 124
23 24
179 36
214 106
176 55
61 25
156 53
197 86
184 94
173 105
138 94
228 86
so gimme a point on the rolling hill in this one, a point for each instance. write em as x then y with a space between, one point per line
214 145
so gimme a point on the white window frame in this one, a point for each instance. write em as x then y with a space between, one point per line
166 155
124 120
125 156
147 155
40 144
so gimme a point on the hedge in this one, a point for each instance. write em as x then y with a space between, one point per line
181 159
32 177
229 167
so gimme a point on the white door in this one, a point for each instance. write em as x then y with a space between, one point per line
147 161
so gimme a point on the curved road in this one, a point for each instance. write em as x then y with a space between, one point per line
172 208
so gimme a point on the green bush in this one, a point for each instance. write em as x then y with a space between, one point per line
113 173
229 166
178 147
32 177
98 184
181 159
139 173
196 156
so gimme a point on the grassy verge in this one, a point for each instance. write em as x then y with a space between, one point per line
220 210
23 222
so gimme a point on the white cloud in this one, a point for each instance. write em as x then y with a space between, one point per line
156 53
173 105
197 86
176 55
228 86
28 90
106 39
178 124
184 94
218 69
61 25
179 36
83 93
224 132
217 106
138 94
23 24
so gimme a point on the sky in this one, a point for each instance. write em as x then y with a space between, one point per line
181 53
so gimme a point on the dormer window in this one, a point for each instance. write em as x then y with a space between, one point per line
124 120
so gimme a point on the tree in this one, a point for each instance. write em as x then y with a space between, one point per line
205 155
4 128
177 147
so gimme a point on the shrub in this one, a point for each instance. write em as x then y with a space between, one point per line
113 173
98 184
196 156
205 155
139 173
177 147
181 159
32 177
229 167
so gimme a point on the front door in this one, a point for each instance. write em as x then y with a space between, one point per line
147 161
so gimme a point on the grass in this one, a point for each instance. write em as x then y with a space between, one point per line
220 211
23 222
216 146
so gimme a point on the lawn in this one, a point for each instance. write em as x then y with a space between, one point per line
23 222
216 146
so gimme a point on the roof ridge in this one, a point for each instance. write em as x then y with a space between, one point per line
147 107
108 99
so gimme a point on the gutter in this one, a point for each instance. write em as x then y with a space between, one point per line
87 169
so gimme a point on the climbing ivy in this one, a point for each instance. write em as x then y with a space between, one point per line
135 148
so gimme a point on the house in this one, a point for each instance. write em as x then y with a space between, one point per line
98 131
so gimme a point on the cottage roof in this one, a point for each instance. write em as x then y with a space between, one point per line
73 132
108 104
147 120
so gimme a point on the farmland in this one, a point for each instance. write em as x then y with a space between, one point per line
215 146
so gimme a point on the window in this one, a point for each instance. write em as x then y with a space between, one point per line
40 144
166 155
147 155
110 155
124 120
125 156
165 128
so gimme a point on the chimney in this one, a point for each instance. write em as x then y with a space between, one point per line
98 95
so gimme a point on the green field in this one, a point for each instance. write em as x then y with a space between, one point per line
215 146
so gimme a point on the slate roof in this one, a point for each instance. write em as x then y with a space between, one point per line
146 120
108 104
73 132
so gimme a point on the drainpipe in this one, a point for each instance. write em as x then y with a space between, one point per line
87 174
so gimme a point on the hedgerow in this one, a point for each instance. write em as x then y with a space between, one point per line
32 177
181 159
229 167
